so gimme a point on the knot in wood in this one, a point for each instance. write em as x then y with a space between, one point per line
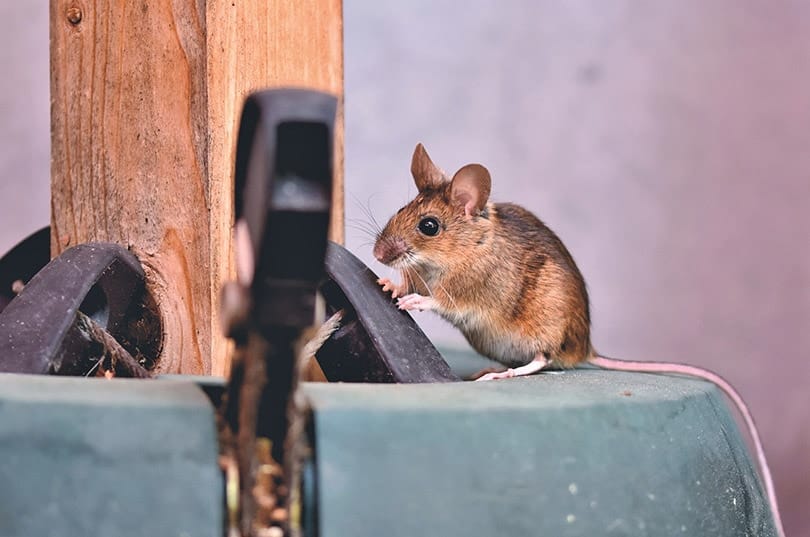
74 15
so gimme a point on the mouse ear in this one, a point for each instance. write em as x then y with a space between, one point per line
470 188
426 175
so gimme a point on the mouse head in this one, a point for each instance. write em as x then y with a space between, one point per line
444 222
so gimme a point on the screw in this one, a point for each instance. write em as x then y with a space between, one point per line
74 15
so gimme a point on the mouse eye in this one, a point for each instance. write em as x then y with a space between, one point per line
429 226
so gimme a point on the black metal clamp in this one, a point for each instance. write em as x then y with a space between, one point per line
283 197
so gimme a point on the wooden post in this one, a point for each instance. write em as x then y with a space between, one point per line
146 96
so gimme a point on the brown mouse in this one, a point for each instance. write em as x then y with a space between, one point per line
503 278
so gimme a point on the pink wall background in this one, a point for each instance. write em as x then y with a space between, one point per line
668 144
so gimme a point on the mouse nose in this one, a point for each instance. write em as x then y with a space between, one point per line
389 249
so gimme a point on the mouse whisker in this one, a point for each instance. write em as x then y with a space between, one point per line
429 290
366 244
365 222
363 227
366 210
405 274
449 296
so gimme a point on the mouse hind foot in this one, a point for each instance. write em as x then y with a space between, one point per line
539 362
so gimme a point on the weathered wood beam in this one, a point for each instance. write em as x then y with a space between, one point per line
145 101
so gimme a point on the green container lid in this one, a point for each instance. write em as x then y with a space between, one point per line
580 453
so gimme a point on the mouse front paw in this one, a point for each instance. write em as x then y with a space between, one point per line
416 302
388 285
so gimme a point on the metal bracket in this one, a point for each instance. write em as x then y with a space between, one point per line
42 329
19 264
376 342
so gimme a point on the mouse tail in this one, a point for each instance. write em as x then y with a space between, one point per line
614 364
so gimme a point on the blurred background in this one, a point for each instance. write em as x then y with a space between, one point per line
667 143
